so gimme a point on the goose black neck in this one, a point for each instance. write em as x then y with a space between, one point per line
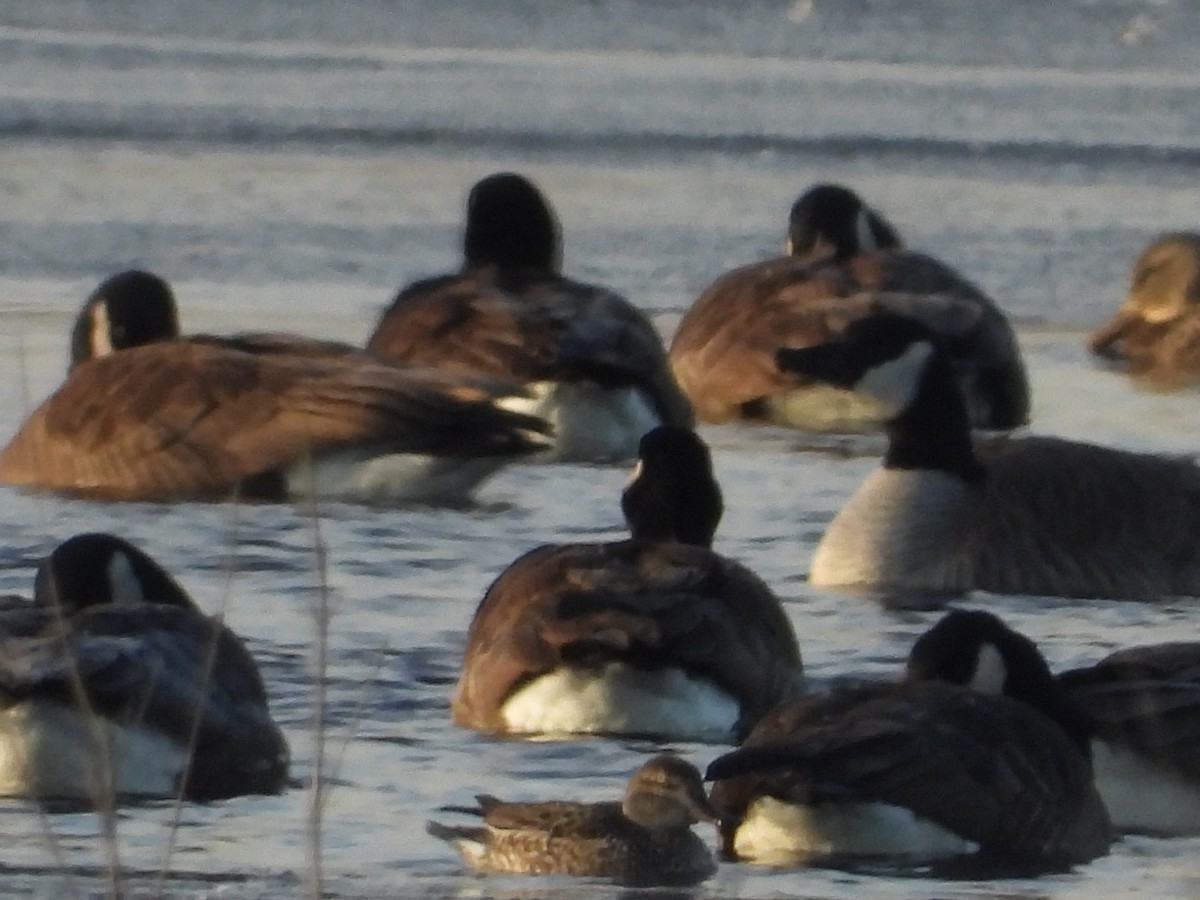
673 506
1040 691
934 430
667 512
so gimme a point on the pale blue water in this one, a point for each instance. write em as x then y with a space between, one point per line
292 164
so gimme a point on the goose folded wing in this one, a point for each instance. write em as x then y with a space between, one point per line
193 419
600 336
192 679
951 756
465 324
1158 717
724 349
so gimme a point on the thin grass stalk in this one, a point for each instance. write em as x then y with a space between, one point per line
210 662
54 845
322 614
356 717
103 784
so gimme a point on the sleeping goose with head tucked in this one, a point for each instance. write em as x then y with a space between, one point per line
1155 334
114 685
912 773
1140 708
1031 515
844 262
146 414
656 635
594 362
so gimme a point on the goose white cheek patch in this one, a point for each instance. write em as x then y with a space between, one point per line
126 587
894 383
101 332
864 232
990 671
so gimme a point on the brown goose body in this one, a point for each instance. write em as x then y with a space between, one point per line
174 695
535 327
723 350
655 635
916 771
1052 517
1138 708
1017 515
1154 336
511 313
208 417
628 610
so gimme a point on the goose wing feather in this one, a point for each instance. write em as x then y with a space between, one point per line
1145 697
657 605
723 351
534 328
175 670
985 767
190 418
1043 506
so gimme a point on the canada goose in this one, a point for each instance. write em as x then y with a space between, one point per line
656 635
113 684
1141 708
147 415
1032 515
644 839
1155 334
912 773
595 362
845 262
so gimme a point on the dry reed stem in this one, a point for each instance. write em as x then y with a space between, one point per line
322 615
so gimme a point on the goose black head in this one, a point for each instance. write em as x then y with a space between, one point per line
830 218
127 310
898 361
672 495
884 355
510 225
94 568
976 649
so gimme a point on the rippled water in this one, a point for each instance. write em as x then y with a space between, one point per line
291 164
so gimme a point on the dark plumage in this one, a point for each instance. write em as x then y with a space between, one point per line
1020 515
147 415
996 779
1139 708
113 646
648 635
845 262
510 312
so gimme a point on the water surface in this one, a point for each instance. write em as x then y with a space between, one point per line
292 164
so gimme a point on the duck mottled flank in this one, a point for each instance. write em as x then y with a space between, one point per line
1155 334
1138 707
594 361
146 414
113 686
1035 515
845 262
645 839
655 636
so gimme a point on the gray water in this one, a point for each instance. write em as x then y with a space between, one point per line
291 164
